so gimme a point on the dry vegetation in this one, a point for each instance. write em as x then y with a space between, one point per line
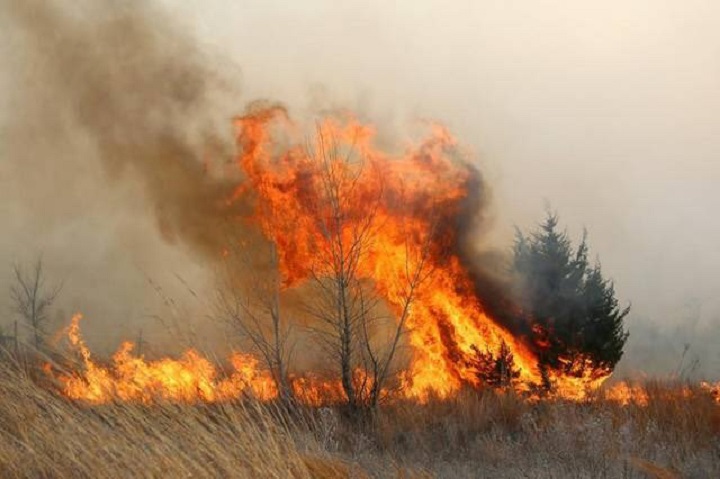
44 435
477 434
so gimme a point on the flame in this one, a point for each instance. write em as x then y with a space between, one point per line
578 379
314 390
191 378
712 388
626 393
409 204
412 202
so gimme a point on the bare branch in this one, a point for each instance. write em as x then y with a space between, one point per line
32 301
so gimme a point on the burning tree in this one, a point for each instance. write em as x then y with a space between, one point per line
371 235
354 228
576 320
347 308
345 202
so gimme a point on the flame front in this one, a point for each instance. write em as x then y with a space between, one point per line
192 378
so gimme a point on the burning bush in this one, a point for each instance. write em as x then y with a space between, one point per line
496 370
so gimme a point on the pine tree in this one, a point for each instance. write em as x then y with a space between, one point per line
571 308
603 333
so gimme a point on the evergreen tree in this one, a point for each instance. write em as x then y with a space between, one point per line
571 308
603 332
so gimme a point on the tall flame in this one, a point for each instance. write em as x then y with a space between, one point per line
412 202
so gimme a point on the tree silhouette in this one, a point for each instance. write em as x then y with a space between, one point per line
32 299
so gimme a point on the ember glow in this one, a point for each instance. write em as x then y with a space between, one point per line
413 203
626 393
712 388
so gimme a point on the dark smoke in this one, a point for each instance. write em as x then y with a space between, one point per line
141 91
116 125
489 268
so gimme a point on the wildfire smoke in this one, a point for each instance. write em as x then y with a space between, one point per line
140 96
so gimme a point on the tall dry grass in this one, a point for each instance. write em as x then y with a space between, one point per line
486 434
476 434
43 435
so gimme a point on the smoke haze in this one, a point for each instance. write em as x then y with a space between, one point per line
608 111
105 130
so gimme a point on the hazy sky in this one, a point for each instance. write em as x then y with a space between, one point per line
608 110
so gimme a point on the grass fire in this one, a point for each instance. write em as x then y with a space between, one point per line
208 284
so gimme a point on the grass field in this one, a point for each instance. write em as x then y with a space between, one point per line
476 434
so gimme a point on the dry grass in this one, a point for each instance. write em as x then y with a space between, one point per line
477 434
487 434
42 435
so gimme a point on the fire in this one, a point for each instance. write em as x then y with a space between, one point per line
712 388
407 209
626 393
314 390
412 202
191 378
579 379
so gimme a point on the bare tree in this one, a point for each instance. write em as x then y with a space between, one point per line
32 300
347 308
250 300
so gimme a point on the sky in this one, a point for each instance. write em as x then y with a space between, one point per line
608 112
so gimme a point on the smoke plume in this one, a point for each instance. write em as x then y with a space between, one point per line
113 113
141 92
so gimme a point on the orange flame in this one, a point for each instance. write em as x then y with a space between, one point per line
712 388
627 393
191 378
411 202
